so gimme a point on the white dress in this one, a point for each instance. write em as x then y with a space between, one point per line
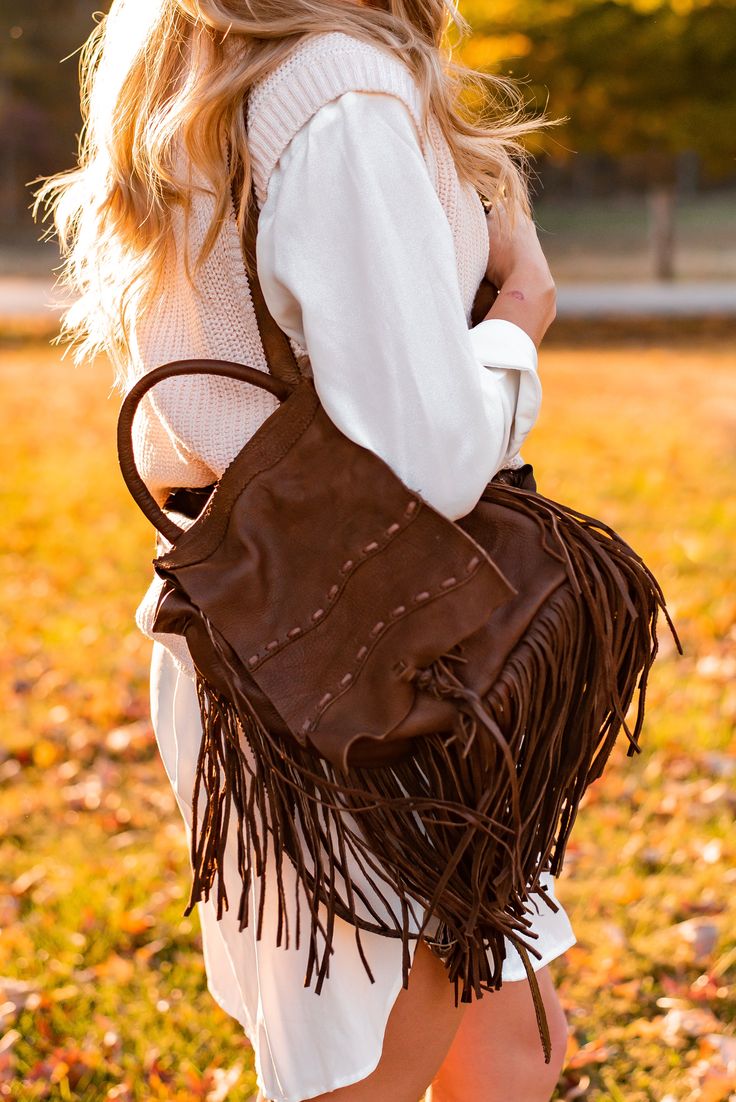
352 226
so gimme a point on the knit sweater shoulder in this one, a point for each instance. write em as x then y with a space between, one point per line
188 430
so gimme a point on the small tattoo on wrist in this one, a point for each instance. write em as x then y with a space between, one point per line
515 294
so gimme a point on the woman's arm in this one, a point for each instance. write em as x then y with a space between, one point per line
518 268
357 262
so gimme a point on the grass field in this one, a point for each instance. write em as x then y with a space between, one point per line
102 986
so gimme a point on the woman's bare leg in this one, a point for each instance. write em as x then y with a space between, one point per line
496 1054
419 1033
488 1051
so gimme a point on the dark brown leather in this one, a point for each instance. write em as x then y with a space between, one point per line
329 616
431 698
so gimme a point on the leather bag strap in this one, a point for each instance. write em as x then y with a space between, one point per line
281 380
276 345
279 354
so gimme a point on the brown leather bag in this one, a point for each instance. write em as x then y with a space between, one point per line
425 700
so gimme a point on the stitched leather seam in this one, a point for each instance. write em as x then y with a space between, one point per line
310 725
358 561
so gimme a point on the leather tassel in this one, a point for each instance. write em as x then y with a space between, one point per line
323 821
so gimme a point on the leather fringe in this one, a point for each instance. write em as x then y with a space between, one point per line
322 820
462 828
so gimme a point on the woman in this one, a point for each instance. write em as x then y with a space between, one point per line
372 243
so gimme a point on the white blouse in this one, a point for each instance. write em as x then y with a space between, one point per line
352 231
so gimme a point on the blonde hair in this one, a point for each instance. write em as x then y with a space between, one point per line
157 72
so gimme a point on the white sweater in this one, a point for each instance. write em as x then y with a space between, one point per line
366 259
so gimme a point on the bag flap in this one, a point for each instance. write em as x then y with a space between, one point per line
328 577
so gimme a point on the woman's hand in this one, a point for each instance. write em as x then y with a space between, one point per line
518 268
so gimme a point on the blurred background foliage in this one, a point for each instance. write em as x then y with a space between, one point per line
646 87
646 82
39 92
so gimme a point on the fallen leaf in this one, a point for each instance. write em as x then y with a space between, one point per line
695 1022
224 1079
716 1087
712 851
701 935
725 1046
16 992
46 753
69 991
8 1040
26 880
116 968
133 922
594 1052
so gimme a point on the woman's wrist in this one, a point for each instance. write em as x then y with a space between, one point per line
527 297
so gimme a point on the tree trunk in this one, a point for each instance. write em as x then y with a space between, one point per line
662 230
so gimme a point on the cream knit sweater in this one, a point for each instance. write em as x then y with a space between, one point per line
187 431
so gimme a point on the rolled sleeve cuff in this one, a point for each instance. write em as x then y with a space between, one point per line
502 345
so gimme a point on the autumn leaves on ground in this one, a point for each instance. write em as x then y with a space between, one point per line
102 987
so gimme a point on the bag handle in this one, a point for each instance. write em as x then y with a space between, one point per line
126 456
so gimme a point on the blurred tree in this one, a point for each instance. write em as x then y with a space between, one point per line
644 81
39 94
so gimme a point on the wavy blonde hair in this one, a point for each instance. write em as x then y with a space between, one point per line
157 72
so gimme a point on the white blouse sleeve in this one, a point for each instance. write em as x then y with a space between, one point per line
357 263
